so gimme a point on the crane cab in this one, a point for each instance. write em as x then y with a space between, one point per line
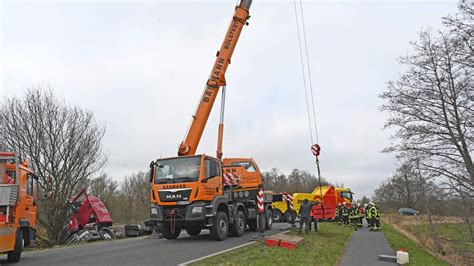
185 179
17 206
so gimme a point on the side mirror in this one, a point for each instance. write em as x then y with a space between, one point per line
152 171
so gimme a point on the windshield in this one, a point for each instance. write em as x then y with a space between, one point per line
177 170
346 195
247 165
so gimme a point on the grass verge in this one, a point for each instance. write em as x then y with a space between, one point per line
418 255
324 248
455 238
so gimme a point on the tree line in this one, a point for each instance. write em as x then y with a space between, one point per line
296 181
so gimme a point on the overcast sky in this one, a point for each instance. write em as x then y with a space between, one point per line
141 67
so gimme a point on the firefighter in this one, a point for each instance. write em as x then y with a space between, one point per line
369 216
366 210
375 217
305 217
338 216
361 214
313 218
345 214
354 215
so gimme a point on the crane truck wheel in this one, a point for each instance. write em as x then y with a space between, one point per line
106 234
238 228
193 231
252 225
268 220
167 233
220 229
15 254
277 215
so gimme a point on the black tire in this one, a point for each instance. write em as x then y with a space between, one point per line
252 224
15 254
166 231
238 228
107 234
220 229
268 220
193 231
277 215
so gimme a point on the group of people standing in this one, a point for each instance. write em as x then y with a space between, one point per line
345 215
354 215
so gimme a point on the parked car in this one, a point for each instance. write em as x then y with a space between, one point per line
408 211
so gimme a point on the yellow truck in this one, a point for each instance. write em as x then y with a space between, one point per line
331 196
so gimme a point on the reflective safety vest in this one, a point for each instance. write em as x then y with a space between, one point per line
354 212
345 211
373 212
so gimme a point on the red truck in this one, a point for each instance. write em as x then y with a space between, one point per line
331 196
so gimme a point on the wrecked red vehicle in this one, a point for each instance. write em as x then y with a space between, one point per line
88 220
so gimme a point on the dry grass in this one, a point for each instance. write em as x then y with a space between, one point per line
457 248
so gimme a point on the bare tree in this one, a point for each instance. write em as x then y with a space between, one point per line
431 107
432 104
134 196
399 190
62 143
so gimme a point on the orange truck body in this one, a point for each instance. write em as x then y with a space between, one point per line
17 206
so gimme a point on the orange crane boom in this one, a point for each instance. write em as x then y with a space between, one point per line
215 82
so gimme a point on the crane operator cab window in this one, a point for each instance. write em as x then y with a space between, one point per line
248 166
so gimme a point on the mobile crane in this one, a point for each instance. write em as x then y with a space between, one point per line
195 192
17 206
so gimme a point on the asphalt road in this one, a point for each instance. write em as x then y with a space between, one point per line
365 247
137 251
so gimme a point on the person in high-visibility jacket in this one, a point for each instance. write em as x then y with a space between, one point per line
361 214
354 215
345 214
369 216
374 217
366 210
338 215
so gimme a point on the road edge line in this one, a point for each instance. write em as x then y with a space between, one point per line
215 254
222 251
